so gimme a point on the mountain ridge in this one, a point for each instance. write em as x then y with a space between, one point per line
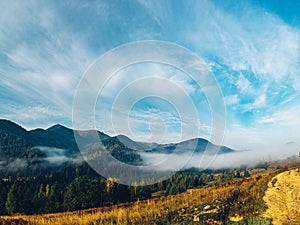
56 128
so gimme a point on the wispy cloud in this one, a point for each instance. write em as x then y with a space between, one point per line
250 40
260 101
43 116
232 99
42 59
285 117
244 85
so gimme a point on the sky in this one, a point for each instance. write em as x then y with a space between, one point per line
250 47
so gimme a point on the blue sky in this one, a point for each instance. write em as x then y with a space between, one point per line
252 48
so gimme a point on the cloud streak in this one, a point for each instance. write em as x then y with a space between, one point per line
42 61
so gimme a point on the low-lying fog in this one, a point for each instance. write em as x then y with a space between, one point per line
172 162
188 160
54 155
229 160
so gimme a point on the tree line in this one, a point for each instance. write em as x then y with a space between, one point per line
74 188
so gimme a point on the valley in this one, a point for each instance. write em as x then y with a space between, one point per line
44 180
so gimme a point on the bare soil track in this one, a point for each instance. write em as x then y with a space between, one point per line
283 198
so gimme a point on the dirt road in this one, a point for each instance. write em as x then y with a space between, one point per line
283 198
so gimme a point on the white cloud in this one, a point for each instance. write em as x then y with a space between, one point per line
283 117
136 72
250 39
266 133
260 101
244 85
46 60
232 99
289 99
41 115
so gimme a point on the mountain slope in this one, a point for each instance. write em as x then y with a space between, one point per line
14 141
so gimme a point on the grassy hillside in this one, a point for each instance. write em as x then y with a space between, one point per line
236 202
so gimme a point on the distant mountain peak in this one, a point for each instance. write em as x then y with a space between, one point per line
57 127
123 137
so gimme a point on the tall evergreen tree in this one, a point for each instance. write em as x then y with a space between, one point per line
11 202
3 196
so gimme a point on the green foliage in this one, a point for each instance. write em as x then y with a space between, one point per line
82 193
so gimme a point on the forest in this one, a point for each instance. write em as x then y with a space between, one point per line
75 188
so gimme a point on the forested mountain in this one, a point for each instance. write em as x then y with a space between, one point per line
41 146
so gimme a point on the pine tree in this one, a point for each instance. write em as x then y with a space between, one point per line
246 173
3 197
11 202
82 193
174 190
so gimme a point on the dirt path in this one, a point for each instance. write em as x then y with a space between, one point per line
283 198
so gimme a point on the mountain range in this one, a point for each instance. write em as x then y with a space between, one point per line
57 144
